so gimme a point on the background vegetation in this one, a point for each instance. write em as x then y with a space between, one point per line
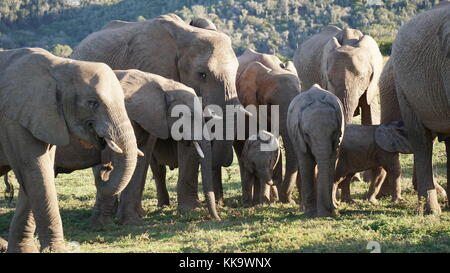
269 26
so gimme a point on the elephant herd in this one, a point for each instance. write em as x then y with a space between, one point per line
109 106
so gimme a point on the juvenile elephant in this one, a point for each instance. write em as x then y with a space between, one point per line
259 157
376 148
316 126
44 101
199 58
420 65
149 100
263 80
348 64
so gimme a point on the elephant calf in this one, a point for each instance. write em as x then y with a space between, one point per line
376 148
259 158
316 126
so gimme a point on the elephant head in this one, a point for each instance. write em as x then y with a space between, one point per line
392 137
199 58
61 98
351 67
203 23
150 99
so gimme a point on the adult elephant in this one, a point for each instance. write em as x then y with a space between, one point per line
149 100
421 72
264 80
201 59
44 101
348 64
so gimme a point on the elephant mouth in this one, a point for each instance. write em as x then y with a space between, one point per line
96 140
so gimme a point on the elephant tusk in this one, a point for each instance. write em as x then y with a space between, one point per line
140 153
199 150
242 109
113 146
212 115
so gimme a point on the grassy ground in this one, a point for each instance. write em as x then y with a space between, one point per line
268 228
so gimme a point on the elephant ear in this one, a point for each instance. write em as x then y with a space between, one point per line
176 28
376 61
146 101
329 48
444 38
248 83
392 137
30 94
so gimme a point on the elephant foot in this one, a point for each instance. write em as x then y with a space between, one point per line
347 199
188 205
98 221
54 248
163 203
131 220
141 212
325 213
396 199
428 205
373 201
286 200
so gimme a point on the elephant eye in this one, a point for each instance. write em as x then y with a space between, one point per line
93 104
282 65
202 75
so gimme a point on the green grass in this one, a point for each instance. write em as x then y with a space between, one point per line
267 228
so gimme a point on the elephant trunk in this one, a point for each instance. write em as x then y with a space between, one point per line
121 134
325 181
207 177
349 104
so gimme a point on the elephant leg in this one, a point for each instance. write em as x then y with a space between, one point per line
130 209
130 204
307 180
32 162
378 177
248 182
218 186
422 142
290 175
21 235
345 190
104 206
257 187
447 150
188 169
264 192
278 172
159 174
273 194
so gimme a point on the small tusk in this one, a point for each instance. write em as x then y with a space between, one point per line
199 150
140 153
212 115
242 109
113 146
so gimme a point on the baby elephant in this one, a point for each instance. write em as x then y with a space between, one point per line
376 148
316 125
259 156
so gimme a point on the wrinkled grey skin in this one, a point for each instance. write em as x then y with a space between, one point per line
376 148
316 126
44 101
149 99
203 23
348 64
420 64
263 79
258 167
201 59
